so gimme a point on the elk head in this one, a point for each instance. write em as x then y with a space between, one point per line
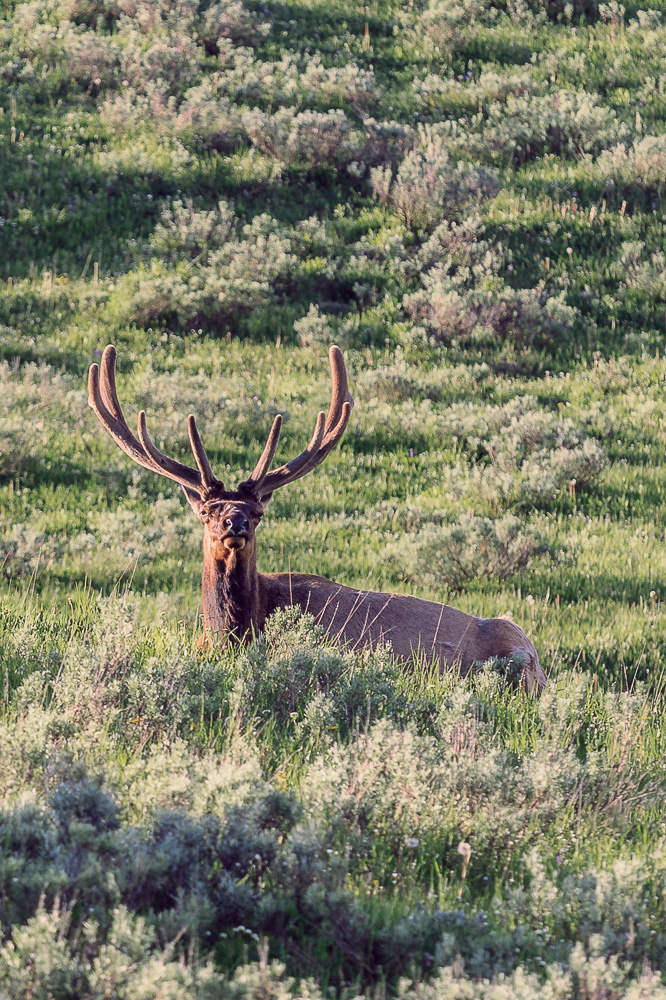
229 517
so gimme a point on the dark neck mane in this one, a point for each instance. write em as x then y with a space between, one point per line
230 595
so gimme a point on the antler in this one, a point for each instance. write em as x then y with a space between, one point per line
328 431
103 398
201 485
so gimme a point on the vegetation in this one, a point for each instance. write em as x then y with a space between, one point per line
468 197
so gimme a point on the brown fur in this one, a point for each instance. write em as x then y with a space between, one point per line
237 600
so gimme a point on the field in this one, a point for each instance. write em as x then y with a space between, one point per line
467 197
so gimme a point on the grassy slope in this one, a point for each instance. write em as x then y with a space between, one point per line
562 803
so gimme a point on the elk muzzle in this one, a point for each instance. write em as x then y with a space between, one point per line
236 530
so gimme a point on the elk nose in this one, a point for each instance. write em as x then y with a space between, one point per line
237 525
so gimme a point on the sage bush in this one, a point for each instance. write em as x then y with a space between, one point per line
119 865
466 196
428 187
450 555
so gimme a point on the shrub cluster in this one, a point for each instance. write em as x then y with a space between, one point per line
226 272
640 166
451 555
490 313
533 454
122 864
149 47
566 123
428 188
466 195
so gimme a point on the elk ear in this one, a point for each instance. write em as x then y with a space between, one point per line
194 501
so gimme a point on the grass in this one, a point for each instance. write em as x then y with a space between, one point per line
285 820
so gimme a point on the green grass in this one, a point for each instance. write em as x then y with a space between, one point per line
177 824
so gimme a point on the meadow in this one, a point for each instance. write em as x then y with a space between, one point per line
468 197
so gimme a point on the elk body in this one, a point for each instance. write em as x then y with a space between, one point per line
237 599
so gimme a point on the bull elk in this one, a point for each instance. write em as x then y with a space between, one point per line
237 599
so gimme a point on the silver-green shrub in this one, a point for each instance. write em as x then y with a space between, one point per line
231 19
640 166
304 140
240 273
450 555
185 232
568 123
534 454
489 312
428 186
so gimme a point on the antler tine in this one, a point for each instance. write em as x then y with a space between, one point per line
329 442
166 466
103 398
334 435
328 431
116 427
268 454
200 457
108 384
340 393
258 486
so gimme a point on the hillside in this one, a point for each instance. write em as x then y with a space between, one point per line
467 197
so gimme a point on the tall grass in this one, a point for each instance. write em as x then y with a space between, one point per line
468 198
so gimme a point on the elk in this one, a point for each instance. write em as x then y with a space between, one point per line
237 599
